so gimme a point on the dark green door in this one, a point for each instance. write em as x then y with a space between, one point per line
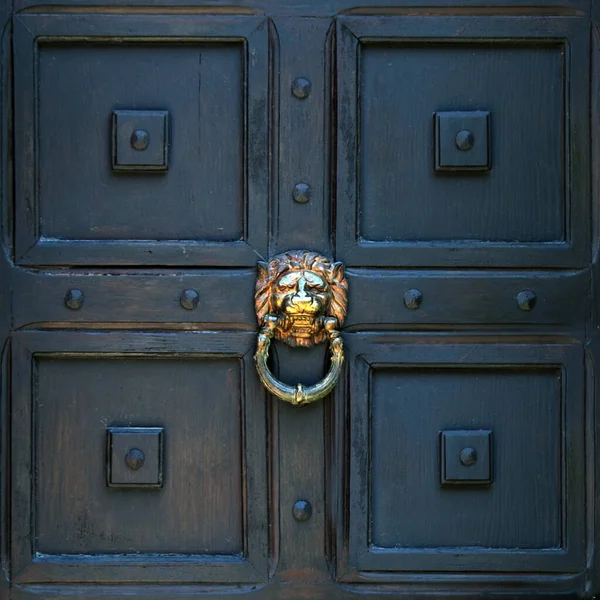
153 153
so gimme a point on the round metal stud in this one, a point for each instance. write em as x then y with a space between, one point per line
74 299
140 139
301 88
189 299
464 140
526 300
468 456
134 459
413 298
302 510
302 193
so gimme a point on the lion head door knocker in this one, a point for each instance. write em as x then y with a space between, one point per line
301 300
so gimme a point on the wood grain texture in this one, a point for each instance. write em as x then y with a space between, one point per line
402 198
303 136
225 297
464 356
330 8
81 198
6 238
201 501
473 297
384 143
210 513
74 208
406 418
556 488
301 463
593 343
445 588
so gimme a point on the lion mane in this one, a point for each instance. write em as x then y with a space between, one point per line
294 260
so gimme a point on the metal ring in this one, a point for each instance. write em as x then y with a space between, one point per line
298 395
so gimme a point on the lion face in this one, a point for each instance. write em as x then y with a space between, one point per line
301 298
301 288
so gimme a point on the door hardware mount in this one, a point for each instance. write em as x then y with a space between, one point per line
300 300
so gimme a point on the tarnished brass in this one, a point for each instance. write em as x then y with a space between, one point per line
301 300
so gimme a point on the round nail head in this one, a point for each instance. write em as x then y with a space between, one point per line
413 299
140 139
302 193
526 300
302 510
301 88
134 459
74 299
189 299
468 456
464 140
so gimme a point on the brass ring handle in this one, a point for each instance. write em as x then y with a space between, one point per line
301 300
299 395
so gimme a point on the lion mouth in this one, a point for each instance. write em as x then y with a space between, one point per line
302 325
307 308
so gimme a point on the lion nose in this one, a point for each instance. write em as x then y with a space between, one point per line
301 297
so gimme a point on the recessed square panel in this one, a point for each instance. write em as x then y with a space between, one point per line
407 422
441 159
203 462
80 195
126 162
526 193
140 140
467 465
461 141
141 444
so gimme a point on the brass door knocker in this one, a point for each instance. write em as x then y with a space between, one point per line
301 300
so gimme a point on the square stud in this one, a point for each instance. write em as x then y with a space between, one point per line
134 457
462 141
140 140
466 457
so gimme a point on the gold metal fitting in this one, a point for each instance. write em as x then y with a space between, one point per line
301 300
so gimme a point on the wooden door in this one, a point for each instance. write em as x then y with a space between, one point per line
153 153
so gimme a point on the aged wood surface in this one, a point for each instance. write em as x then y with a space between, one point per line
127 298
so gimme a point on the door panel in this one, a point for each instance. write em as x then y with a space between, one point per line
76 205
378 298
522 513
442 152
396 76
204 523
126 298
